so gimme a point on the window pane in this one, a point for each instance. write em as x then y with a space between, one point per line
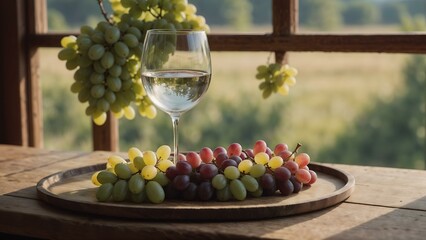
66 127
362 16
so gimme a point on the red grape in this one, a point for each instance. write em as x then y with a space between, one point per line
269 152
303 176
302 159
194 159
218 150
286 154
292 166
234 149
314 177
237 159
259 146
206 155
280 148
249 153
181 157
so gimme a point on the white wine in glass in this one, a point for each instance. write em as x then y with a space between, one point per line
176 72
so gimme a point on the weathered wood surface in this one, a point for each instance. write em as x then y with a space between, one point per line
387 204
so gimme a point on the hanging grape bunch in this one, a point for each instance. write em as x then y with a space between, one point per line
106 59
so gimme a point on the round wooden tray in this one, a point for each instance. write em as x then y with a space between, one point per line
73 190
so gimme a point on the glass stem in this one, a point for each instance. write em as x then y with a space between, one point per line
175 121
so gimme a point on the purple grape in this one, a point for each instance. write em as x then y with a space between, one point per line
171 172
282 174
267 181
297 185
171 192
227 163
249 153
190 192
237 159
208 171
181 182
205 191
195 177
183 168
270 191
220 158
286 187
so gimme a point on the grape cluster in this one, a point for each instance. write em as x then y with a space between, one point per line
106 59
275 78
222 174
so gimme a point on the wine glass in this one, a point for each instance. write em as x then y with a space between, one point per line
176 72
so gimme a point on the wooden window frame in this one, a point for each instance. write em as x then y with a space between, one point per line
26 25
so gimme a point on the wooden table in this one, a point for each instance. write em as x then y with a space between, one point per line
387 204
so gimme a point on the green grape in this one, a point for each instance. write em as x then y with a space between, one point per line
72 64
102 105
94 178
84 43
97 91
84 95
161 178
163 152
139 162
136 184
132 167
135 31
257 193
90 110
102 26
106 177
97 66
130 40
151 112
114 160
104 192
85 61
69 42
138 198
112 34
149 172
96 52
224 194
134 152
123 171
113 83
261 158
82 74
99 118
119 191
245 166
107 60
96 78
238 190
164 164
250 183
115 71
219 181
150 158
76 87
231 172
110 96
275 162
67 54
155 192
121 49
257 170
129 112
290 81
86 29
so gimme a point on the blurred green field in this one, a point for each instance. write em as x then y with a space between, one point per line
332 91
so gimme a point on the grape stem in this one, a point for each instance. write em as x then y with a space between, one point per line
104 12
294 151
